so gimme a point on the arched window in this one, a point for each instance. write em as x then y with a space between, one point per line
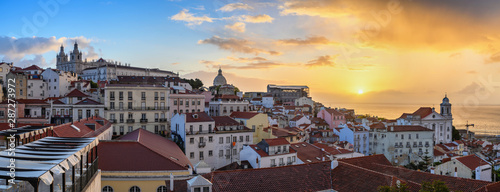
107 189
134 189
162 188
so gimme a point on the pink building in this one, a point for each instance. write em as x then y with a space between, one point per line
332 117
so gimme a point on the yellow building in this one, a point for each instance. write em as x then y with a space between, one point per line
141 160
255 121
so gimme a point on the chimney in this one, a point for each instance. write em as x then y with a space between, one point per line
335 164
171 182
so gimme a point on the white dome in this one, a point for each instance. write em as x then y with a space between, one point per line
220 79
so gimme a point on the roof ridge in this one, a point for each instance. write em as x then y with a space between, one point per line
265 168
432 174
154 151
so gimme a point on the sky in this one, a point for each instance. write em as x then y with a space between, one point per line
355 51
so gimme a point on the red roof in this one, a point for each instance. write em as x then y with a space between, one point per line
309 153
277 141
198 117
471 161
380 164
243 115
66 130
334 112
76 93
304 177
405 128
88 101
438 153
423 112
33 67
332 150
224 120
296 118
141 150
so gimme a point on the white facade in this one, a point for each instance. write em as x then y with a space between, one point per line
132 107
37 88
267 101
4 70
203 143
224 105
304 101
402 144
269 156
59 82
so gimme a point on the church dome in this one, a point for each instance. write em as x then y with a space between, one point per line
220 79
445 99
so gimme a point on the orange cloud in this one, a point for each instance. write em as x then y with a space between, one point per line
235 6
326 60
311 40
184 15
238 27
263 18
236 45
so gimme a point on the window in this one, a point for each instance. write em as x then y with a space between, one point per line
120 95
201 155
228 139
234 139
221 153
235 152
111 105
129 105
134 189
247 138
143 95
241 139
402 136
107 189
121 117
191 155
112 95
191 140
200 128
221 140
156 96
210 153
130 129
129 95
210 139
162 188
175 102
156 129
273 162
417 135
120 105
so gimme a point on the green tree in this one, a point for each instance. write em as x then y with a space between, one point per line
195 83
397 188
455 135
93 84
435 186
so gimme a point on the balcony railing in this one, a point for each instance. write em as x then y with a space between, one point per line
130 120
112 98
156 98
144 120
85 178
129 98
420 145
162 98
426 145
163 119
201 144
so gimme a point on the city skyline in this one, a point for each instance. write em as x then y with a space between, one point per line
346 52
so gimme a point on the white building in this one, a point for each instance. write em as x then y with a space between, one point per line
37 87
74 106
224 105
108 70
134 106
217 141
58 81
441 123
304 101
470 167
402 144
269 153
181 100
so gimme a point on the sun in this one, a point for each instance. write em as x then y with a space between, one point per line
360 91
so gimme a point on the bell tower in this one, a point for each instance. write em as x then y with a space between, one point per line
446 107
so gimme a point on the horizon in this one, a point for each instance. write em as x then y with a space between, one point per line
346 52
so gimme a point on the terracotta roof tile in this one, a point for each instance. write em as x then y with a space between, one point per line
277 141
243 115
88 101
76 93
472 161
304 177
198 117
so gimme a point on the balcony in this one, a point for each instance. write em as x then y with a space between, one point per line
426 145
162 98
144 120
112 98
121 98
414 145
282 164
408 146
129 98
112 120
156 98
130 120
156 120
163 119
273 165
201 144
289 163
